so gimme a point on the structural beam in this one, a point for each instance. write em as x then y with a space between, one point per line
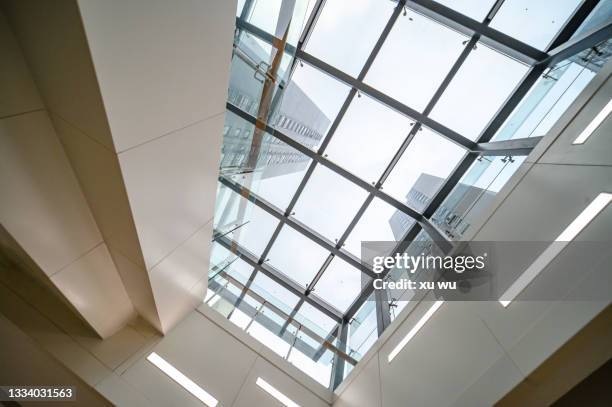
280 278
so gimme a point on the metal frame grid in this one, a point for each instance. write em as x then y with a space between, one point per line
559 49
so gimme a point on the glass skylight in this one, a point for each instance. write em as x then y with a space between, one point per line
369 129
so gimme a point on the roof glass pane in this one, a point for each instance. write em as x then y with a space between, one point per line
478 90
329 216
380 222
423 168
240 270
556 89
296 256
242 221
476 9
263 164
340 284
474 194
274 293
315 320
344 36
309 105
414 59
533 22
367 138
265 15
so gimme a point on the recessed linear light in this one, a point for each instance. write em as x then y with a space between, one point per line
275 393
183 380
549 254
595 123
414 330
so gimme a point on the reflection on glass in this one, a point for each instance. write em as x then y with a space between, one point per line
242 221
367 138
548 99
362 329
414 59
474 194
380 222
344 35
340 284
477 91
423 168
265 165
278 16
296 256
307 106
533 22
600 15
476 9
329 216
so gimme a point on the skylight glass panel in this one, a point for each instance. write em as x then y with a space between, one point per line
480 87
315 320
367 138
533 22
340 284
296 256
474 194
423 168
244 222
329 216
345 33
273 170
240 270
415 59
309 105
274 293
476 9
380 222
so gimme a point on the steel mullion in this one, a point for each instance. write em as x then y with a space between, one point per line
517 146
362 74
369 289
493 38
386 100
368 90
327 163
509 106
585 41
280 278
436 97
295 224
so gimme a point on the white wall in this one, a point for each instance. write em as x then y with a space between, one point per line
42 206
472 354
136 91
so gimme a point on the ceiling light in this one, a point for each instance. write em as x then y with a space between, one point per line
183 380
414 330
549 254
586 133
275 393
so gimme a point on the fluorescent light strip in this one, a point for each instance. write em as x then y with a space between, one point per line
183 380
275 393
601 116
414 330
586 216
